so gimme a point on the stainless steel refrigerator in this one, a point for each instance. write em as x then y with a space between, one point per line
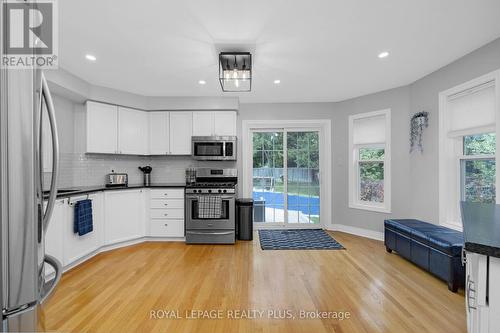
24 95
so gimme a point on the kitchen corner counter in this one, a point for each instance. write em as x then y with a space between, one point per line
81 190
481 228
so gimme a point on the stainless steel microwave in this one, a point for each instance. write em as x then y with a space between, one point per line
214 148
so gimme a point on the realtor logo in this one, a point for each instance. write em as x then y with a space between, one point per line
30 34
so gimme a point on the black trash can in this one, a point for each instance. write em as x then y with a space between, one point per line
244 219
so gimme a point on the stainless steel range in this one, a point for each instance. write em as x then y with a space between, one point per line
210 207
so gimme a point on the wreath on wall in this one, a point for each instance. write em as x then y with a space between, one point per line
418 123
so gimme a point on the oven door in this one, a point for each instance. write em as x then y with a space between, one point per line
226 220
209 150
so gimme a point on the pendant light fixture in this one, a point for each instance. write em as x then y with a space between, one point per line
235 71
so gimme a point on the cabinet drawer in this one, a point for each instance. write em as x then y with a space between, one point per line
167 203
167 214
177 193
166 228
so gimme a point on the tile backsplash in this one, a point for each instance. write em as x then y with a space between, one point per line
80 169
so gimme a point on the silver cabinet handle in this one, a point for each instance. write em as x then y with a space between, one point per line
45 95
469 291
48 287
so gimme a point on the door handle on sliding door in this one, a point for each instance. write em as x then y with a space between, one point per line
47 97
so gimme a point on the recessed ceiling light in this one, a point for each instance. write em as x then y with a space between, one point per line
277 81
90 57
202 82
384 54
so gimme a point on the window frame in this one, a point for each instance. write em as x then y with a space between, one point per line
354 171
451 151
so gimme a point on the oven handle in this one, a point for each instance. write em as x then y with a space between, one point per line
210 233
195 196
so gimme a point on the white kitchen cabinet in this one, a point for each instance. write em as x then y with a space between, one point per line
166 213
102 128
159 141
133 128
54 237
494 294
75 246
475 293
124 215
218 123
181 129
203 123
225 123
482 293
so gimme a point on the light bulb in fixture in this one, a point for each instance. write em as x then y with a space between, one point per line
90 57
384 54
277 81
202 82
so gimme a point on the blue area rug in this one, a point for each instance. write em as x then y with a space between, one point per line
300 239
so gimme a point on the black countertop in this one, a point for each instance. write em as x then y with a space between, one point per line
79 190
481 228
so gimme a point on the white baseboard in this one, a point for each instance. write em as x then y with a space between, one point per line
357 231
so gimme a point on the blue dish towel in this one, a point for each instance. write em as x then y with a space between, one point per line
83 223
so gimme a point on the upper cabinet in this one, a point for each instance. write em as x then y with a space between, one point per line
132 131
181 129
159 129
225 123
119 130
219 123
102 128
203 123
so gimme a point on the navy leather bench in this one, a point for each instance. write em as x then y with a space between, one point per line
434 248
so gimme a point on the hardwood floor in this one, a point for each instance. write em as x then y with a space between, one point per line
117 290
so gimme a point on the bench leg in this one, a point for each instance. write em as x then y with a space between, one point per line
388 249
452 286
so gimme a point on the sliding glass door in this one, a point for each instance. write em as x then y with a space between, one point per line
285 177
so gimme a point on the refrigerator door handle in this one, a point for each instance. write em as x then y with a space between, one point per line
49 286
55 153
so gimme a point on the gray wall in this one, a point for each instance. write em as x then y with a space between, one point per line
424 96
398 101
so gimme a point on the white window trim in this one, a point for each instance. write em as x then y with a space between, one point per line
326 167
354 202
449 202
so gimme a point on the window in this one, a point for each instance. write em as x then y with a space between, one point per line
369 169
467 146
478 168
371 174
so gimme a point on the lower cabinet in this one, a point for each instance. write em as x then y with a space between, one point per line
60 240
482 293
118 216
124 215
54 237
75 246
166 213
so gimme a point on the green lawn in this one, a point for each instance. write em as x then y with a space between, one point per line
298 189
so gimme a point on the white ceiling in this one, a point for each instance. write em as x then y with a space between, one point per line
321 50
